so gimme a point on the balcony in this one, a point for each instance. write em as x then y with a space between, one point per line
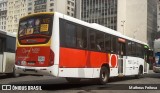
3 9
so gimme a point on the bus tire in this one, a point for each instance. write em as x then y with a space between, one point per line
140 72
104 75
73 80
14 74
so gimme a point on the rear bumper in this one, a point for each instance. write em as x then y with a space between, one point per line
52 71
156 69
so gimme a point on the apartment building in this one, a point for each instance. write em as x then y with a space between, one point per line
63 6
103 12
133 18
15 10
3 14
140 19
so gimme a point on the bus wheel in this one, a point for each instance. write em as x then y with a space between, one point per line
73 80
104 75
14 74
140 72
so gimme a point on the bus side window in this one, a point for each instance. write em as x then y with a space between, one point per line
138 52
107 42
100 41
92 37
81 37
1 46
133 49
10 46
62 32
129 53
113 44
70 35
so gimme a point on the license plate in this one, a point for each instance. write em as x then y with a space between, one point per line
23 63
41 58
31 63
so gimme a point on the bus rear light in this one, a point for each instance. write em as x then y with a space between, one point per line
18 62
51 58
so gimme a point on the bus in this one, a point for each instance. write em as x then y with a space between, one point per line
7 53
61 46
156 66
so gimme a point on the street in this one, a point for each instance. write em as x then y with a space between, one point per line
85 86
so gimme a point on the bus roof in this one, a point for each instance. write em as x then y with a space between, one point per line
98 27
39 13
7 33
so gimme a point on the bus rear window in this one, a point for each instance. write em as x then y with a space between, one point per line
35 29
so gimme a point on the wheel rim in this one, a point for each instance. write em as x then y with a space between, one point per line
104 76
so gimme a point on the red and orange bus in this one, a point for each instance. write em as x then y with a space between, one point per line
62 46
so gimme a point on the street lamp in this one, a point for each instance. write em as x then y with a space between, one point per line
123 26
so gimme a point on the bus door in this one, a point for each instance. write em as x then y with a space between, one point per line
121 53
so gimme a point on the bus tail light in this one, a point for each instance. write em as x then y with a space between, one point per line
51 58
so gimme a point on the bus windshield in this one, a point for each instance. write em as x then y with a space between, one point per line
36 29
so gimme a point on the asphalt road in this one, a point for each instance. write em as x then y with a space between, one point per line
60 85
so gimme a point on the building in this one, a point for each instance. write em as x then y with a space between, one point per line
103 12
15 10
133 18
158 20
63 6
30 4
3 14
158 16
138 19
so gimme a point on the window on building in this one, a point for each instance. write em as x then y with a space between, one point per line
29 4
68 2
68 13
30 8
68 7
72 9
72 4
52 4
72 15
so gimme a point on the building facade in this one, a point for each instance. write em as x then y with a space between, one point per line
3 14
63 6
158 20
15 10
103 12
30 6
133 18
137 19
